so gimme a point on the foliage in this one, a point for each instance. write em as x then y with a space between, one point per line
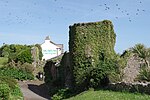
9 88
144 74
140 50
17 52
5 51
16 73
22 53
25 56
121 62
109 95
91 47
10 81
16 91
122 59
3 61
27 68
96 76
35 53
4 91
40 51
61 94
143 52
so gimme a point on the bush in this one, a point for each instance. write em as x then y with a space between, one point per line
93 77
27 68
16 73
9 88
3 61
144 74
16 53
10 81
25 56
4 91
61 94
16 91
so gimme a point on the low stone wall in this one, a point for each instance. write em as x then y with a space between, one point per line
130 87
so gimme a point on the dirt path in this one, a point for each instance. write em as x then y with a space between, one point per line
34 90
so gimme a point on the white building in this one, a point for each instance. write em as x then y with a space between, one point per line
50 49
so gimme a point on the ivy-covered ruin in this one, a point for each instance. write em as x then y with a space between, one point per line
91 61
92 55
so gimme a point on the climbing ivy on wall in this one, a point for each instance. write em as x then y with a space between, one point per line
90 44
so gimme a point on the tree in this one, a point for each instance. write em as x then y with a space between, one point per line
25 56
141 51
5 50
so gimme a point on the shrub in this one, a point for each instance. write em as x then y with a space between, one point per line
4 51
9 86
16 73
3 60
10 81
4 91
25 56
27 68
96 76
61 94
144 74
16 91
17 53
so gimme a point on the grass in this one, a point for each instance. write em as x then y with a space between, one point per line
3 61
109 95
16 98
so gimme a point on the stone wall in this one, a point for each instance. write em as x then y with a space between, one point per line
130 87
132 69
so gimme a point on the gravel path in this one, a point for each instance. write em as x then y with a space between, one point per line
34 90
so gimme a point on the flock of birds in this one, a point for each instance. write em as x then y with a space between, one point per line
125 12
11 17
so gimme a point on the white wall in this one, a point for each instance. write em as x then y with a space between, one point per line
49 50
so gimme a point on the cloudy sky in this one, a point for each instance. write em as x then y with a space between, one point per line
30 21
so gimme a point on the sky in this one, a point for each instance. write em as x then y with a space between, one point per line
30 21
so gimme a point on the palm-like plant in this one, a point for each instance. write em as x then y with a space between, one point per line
141 51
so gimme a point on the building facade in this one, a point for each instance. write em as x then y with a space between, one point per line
50 49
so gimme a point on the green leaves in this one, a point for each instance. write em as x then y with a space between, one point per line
140 50
143 52
4 91
9 88
144 75
21 53
61 94
16 73
91 47
25 56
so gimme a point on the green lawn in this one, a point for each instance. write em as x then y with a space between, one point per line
3 61
109 95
